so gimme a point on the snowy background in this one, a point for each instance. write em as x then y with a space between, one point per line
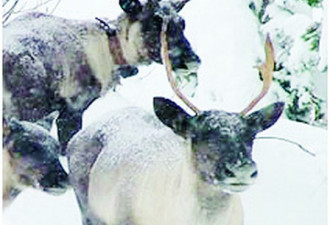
292 185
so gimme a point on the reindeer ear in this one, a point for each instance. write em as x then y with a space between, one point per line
47 121
265 117
172 115
131 7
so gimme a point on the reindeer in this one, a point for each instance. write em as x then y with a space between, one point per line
52 63
133 167
30 159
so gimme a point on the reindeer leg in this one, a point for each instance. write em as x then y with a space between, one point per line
91 220
68 124
79 176
88 217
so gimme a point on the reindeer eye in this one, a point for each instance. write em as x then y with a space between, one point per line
158 20
228 173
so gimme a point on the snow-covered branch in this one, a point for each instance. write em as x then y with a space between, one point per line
12 8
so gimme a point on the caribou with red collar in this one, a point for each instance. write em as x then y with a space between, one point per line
52 63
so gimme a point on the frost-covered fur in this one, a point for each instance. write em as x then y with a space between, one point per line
140 179
138 168
51 63
29 159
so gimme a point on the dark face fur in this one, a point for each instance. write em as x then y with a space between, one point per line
33 157
152 16
221 142
223 150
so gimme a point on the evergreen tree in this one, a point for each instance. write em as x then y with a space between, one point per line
295 32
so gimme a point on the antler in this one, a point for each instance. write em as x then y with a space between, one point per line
170 77
180 4
266 71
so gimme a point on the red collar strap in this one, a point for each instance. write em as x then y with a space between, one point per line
114 43
116 51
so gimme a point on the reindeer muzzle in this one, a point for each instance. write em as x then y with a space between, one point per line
237 178
185 63
56 181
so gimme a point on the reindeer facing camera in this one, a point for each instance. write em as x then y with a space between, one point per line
168 168
51 63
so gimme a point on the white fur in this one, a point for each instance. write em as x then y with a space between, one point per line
100 59
132 43
96 47
146 176
68 86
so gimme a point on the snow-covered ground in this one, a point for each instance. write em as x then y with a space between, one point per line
292 185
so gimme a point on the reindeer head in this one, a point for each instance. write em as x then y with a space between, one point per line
221 141
153 15
33 155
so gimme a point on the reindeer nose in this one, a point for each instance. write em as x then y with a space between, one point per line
194 58
189 62
243 172
193 63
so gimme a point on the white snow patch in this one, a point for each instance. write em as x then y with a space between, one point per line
34 207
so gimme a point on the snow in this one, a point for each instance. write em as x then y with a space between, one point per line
291 187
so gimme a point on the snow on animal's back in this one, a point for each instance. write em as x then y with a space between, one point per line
60 48
55 30
134 135
141 160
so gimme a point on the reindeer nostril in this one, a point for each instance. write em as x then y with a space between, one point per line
196 59
254 174
228 173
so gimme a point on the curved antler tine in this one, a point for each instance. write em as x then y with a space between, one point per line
170 77
266 71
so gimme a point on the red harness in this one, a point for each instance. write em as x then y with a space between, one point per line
114 43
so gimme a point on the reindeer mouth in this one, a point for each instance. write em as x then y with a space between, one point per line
236 187
233 187
61 189
54 185
186 69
